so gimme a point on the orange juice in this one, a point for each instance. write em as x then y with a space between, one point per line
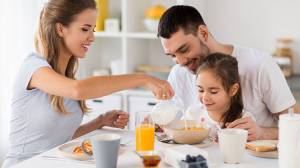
144 134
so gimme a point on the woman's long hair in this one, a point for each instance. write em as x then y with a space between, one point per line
48 42
225 67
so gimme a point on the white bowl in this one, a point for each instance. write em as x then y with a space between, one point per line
151 24
175 130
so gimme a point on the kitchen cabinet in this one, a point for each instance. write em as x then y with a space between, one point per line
139 103
101 105
294 84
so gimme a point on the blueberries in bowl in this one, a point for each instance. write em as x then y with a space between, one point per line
193 162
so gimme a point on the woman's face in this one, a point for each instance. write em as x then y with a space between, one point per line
79 35
212 94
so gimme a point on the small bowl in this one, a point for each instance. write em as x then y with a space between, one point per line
176 131
151 160
151 24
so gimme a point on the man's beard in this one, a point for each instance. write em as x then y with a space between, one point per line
201 57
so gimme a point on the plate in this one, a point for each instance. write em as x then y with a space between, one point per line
66 150
205 143
270 154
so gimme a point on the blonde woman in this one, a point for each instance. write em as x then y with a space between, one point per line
48 102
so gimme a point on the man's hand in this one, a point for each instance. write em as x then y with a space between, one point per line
114 118
247 123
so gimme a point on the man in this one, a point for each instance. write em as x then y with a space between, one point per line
186 38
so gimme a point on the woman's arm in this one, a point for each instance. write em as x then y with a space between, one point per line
53 83
115 118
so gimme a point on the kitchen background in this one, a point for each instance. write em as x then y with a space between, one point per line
253 23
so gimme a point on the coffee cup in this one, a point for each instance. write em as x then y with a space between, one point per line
105 149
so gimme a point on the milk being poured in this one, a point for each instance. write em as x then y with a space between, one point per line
165 112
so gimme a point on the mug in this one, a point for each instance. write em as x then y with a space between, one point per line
232 142
105 149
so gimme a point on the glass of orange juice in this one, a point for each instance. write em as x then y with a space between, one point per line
144 133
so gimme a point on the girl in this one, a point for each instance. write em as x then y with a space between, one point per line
219 91
48 102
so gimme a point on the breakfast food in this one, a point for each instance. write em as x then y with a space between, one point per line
194 162
87 145
78 150
192 129
262 146
151 160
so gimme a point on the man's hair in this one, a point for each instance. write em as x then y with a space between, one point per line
178 17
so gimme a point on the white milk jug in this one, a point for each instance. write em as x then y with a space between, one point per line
164 112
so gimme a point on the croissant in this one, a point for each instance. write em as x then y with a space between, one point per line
87 146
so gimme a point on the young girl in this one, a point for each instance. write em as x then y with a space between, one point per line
48 102
219 91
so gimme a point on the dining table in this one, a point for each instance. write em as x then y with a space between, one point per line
128 158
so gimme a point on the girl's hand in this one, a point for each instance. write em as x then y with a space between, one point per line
247 123
160 88
114 118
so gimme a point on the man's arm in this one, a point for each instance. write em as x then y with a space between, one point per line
255 131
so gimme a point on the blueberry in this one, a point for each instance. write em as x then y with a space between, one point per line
188 158
200 158
194 159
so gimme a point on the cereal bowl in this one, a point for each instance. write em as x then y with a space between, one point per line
191 134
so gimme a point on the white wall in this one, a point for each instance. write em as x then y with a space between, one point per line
255 23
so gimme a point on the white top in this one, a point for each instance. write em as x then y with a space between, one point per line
35 126
265 90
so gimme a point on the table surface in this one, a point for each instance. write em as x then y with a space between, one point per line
128 159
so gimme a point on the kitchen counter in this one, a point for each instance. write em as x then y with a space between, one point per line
294 82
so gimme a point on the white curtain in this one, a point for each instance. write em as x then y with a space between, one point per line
18 20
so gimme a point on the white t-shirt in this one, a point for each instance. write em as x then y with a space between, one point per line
265 90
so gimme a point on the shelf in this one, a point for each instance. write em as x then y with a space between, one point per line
137 35
108 34
142 35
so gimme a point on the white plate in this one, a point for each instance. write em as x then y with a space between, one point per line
270 154
66 150
207 142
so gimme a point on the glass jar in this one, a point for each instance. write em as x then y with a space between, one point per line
284 55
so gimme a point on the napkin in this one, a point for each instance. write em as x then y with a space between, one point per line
173 155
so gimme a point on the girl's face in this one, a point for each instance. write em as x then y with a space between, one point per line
79 35
212 94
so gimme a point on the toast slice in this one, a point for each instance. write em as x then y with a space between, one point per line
262 146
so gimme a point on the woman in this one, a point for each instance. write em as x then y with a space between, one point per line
48 103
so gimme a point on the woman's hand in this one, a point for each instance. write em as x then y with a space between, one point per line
160 88
114 118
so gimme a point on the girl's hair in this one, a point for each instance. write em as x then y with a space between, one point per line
225 67
48 42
